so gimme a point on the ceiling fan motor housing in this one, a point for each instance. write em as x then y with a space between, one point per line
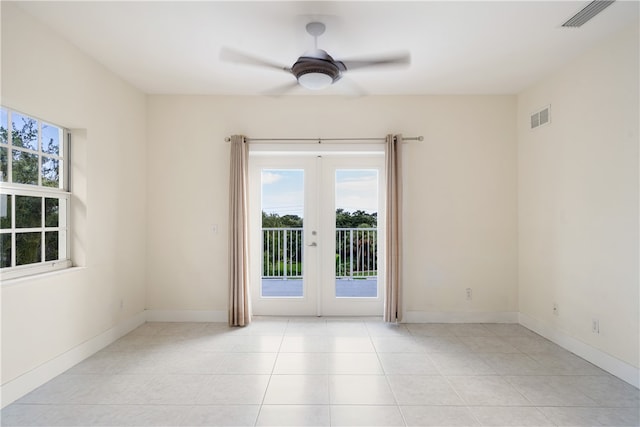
318 61
312 65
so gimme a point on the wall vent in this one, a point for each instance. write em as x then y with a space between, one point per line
589 11
541 117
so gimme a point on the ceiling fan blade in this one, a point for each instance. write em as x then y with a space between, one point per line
232 55
282 89
402 58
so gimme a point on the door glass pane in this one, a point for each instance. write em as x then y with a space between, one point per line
282 232
356 233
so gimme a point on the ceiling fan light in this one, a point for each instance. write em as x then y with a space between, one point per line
315 81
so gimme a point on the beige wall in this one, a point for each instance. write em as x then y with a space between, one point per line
578 199
44 76
460 199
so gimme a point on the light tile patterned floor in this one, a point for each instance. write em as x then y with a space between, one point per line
330 372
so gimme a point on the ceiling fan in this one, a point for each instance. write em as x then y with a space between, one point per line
315 69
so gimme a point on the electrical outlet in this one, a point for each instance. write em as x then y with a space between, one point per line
555 309
121 303
469 294
595 326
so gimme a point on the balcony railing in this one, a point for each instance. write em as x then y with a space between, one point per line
282 253
356 253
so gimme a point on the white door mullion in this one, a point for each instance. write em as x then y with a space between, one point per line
320 237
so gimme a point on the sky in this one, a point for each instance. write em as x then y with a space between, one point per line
283 191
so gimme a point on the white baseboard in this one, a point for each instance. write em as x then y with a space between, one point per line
187 316
603 360
18 387
461 317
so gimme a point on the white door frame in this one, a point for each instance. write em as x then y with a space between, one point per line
319 268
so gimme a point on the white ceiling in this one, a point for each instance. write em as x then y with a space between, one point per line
473 47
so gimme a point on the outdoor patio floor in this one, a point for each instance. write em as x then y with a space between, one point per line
345 288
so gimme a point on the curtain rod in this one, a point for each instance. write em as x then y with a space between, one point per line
321 140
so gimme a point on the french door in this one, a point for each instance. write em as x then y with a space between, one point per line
316 234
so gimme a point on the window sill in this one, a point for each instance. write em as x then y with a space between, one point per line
37 274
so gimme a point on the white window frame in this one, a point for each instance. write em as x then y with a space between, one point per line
62 193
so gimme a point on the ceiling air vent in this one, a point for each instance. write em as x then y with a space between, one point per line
589 11
541 117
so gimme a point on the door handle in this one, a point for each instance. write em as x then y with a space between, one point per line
313 244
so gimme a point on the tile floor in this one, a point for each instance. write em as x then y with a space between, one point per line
330 372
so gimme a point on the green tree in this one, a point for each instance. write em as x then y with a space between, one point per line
357 219
281 248
4 164
25 164
361 243
273 220
4 161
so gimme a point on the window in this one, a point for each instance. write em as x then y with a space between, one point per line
34 197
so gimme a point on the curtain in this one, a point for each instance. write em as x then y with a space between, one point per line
239 290
393 230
